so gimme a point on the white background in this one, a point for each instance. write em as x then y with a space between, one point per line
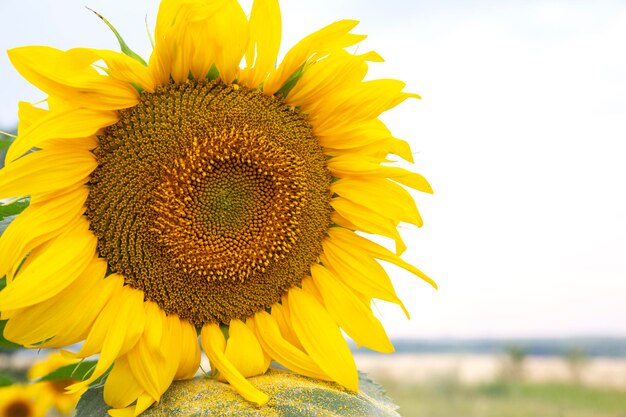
521 131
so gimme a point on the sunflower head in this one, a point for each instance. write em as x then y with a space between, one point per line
54 392
233 206
195 195
21 401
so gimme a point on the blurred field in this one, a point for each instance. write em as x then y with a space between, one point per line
443 398
493 386
483 385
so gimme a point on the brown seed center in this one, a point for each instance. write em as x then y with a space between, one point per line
19 408
212 199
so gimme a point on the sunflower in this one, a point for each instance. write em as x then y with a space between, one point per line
206 191
53 391
21 401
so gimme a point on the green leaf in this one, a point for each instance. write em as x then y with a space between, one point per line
9 211
291 395
13 208
123 46
5 141
6 380
78 371
4 343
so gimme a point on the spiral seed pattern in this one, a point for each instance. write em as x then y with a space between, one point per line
211 199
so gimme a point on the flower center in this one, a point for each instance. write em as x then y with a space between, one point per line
211 199
59 386
18 408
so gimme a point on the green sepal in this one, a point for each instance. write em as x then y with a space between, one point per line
291 82
123 46
213 73
78 371
13 208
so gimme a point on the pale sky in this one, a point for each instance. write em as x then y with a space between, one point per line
521 132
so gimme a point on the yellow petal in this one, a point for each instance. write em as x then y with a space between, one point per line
352 315
43 366
327 76
32 256
214 345
333 37
82 310
74 123
309 286
244 351
370 137
378 150
321 338
143 403
348 241
357 166
265 33
155 358
121 387
70 76
64 260
192 36
189 351
338 219
367 101
117 329
148 369
229 39
382 196
368 221
146 351
355 135
27 115
124 68
45 171
360 272
281 350
38 223
67 316
286 330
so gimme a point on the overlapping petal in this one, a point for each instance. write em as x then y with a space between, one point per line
46 171
70 76
333 38
321 338
52 270
214 345
265 33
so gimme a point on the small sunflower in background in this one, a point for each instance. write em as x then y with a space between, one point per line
194 194
22 401
53 392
